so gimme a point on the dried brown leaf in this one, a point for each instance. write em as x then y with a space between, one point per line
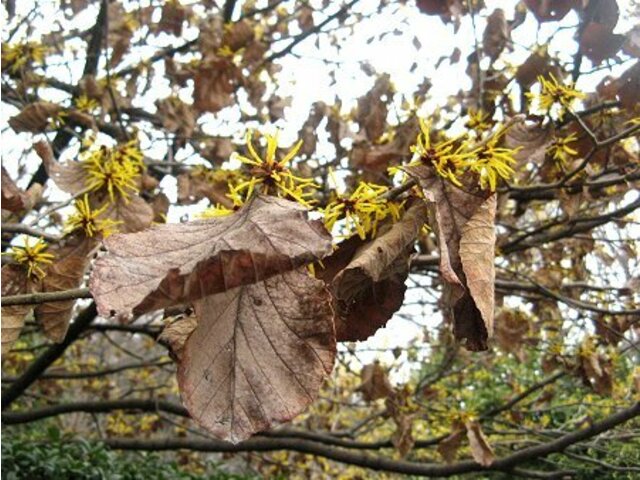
173 16
464 226
215 80
598 42
258 356
172 264
448 448
550 10
481 451
367 279
374 383
496 35
69 177
71 260
175 335
13 199
132 214
34 117
14 282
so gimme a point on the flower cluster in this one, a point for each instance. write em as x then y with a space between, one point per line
16 56
554 94
87 219
32 257
446 156
271 176
452 158
114 170
363 209
561 149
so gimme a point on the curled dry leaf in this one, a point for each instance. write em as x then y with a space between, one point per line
374 383
464 226
258 356
367 278
13 199
72 257
178 263
69 177
372 108
481 451
626 88
173 16
215 80
550 10
175 335
448 448
14 282
598 42
34 117
177 116
496 35
511 328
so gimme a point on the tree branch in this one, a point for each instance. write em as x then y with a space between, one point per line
44 361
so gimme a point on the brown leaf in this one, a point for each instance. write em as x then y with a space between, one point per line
173 16
367 279
626 88
481 451
69 177
258 356
397 405
215 80
172 264
14 282
496 35
448 448
374 383
34 117
596 372
175 335
550 10
217 150
13 199
67 272
538 63
193 186
177 116
305 18
372 108
463 223
160 206
511 328
598 42
133 213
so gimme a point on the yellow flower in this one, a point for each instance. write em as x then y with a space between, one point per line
86 104
363 209
87 219
491 162
271 176
553 93
33 257
114 170
561 150
479 121
16 56
444 156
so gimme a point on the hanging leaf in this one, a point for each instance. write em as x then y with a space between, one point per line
464 226
175 335
374 383
172 264
367 278
258 356
13 199
481 451
34 117
14 282
67 272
